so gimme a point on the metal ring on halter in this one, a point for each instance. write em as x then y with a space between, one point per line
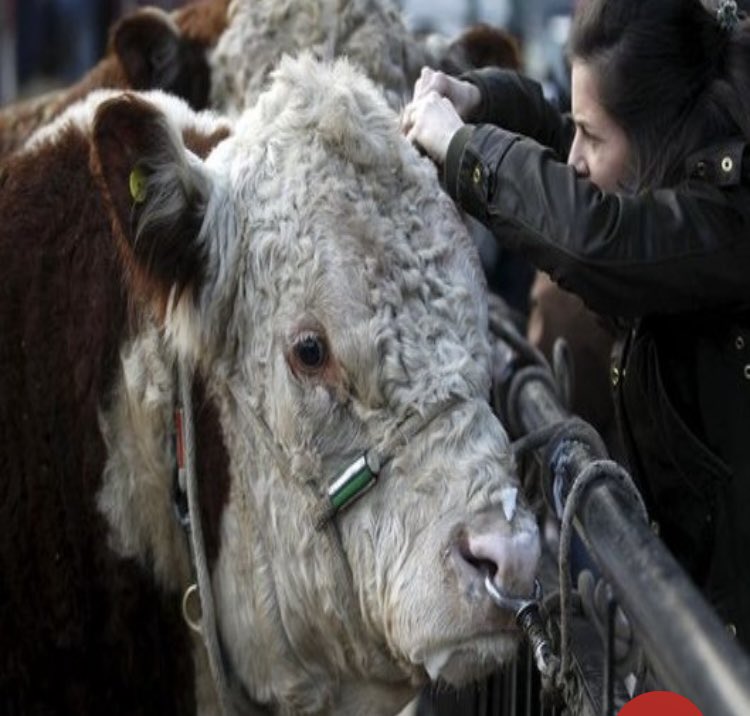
510 603
191 604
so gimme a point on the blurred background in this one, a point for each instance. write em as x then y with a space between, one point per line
541 27
46 44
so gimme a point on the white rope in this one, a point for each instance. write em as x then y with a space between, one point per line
202 573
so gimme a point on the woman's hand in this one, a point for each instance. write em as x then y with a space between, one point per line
431 121
440 105
464 96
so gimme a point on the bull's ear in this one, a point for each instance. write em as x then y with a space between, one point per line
154 55
158 194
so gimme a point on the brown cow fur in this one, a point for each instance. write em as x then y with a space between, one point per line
83 631
203 21
199 25
487 46
19 120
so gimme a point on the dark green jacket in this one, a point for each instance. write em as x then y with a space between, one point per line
676 263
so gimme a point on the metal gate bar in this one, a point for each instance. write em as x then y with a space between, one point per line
686 644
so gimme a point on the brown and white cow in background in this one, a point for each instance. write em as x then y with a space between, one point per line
148 49
323 289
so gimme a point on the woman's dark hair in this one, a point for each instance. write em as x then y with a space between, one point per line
669 74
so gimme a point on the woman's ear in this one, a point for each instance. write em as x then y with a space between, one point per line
157 193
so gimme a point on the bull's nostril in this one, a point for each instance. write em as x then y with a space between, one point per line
482 565
488 546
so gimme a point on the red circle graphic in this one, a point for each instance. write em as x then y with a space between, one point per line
660 703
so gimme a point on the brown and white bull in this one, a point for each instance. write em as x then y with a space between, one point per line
304 266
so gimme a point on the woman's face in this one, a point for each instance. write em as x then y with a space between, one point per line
600 149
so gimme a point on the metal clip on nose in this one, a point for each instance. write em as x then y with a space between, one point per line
528 618
512 604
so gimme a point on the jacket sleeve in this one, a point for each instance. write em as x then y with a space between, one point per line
516 103
663 251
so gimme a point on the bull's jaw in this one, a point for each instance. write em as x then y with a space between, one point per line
461 663
295 641
372 699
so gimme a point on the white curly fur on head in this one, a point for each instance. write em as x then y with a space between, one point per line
413 250
343 108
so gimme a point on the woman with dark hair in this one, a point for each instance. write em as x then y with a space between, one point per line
648 221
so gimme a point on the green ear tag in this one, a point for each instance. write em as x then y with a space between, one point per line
137 182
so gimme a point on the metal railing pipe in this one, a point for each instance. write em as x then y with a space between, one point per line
686 644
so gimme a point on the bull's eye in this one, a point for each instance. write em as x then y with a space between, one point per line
310 352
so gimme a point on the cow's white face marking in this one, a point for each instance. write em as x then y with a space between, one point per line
322 221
